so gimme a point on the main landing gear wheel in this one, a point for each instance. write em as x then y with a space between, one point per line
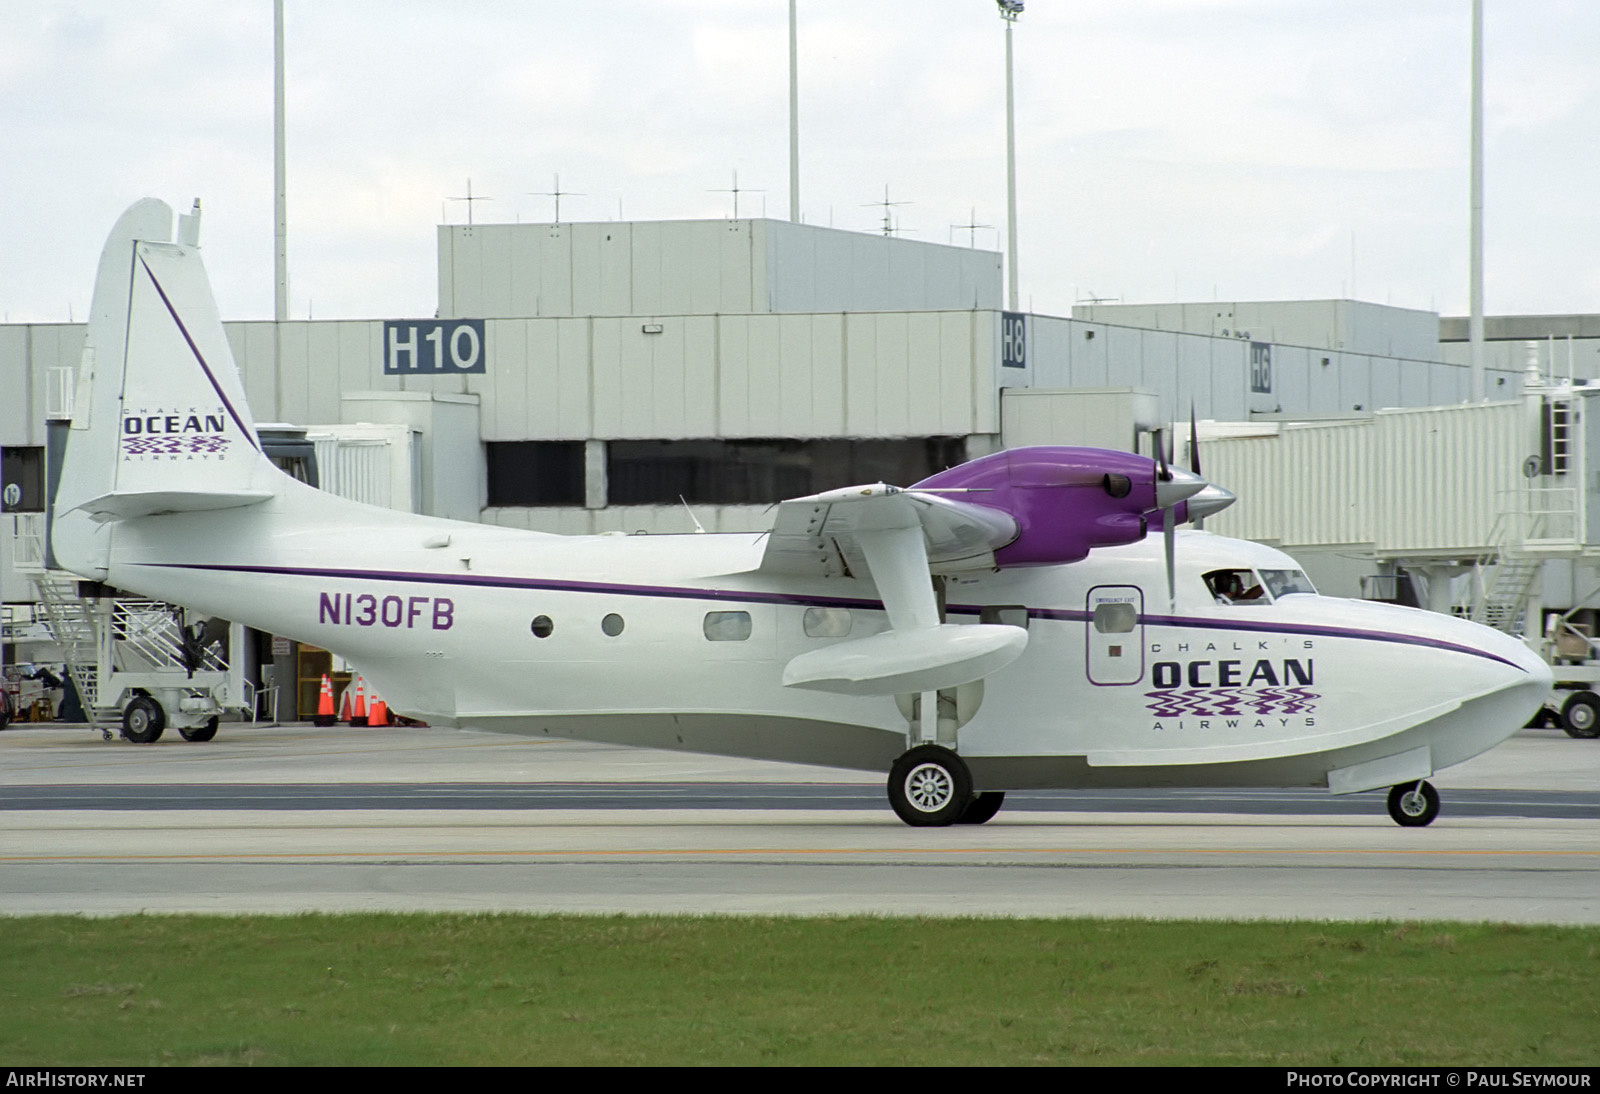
982 807
201 732
1413 805
930 787
143 720
1580 715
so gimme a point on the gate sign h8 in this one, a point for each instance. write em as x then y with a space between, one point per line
432 346
1013 340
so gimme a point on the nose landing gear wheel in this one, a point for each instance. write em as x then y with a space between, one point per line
929 787
1413 805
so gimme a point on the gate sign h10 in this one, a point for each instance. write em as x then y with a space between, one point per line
432 346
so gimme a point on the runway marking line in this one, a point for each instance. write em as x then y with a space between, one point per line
778 851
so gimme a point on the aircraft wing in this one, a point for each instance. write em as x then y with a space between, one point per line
821 535
897 539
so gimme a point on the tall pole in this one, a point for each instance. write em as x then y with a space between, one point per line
794 116
1009 10
279 170
280 211
1475 317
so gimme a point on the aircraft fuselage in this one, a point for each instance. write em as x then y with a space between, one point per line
679 641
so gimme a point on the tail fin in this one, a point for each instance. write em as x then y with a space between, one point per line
160 422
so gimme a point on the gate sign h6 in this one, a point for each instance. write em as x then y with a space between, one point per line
432 346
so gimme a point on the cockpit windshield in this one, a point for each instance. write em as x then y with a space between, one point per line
1284 582
1239 586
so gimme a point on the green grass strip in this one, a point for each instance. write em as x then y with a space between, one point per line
517 989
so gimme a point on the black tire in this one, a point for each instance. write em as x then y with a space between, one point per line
1580 715
201 732
982 807
929 787
1540 720
143 720
1413 805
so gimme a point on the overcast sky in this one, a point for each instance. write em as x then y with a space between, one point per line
1167 149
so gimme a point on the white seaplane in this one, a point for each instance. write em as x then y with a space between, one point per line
1005 624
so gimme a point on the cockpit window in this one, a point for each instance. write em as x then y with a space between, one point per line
1239 586
1284 582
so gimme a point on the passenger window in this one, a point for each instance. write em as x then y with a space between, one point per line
611 625
542 627
727 626
1115 619
1236 587
827 622
1010 615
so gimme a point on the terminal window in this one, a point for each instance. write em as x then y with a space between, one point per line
531 473
762 471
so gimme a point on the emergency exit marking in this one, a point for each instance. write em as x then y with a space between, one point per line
432 346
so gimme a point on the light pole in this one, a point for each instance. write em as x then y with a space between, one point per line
280 188
794 116
1475 384
1009 10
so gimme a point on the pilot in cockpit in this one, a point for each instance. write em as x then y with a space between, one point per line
1234 586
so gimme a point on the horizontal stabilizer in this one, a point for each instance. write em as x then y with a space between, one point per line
903 661
124 504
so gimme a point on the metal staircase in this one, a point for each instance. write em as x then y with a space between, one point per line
1534 524
1504 602
71 625
114 645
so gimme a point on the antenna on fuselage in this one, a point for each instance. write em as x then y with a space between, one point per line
698 527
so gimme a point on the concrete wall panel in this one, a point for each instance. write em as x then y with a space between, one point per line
733 362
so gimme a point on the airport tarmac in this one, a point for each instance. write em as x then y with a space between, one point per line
273 820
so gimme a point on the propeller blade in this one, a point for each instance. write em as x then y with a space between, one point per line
1194 443
1169 543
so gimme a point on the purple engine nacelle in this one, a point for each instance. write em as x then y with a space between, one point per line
1066 501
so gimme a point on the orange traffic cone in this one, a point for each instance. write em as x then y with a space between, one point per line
379 714
359 718
344 704
324 716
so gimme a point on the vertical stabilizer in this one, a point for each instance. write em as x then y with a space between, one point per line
160 423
